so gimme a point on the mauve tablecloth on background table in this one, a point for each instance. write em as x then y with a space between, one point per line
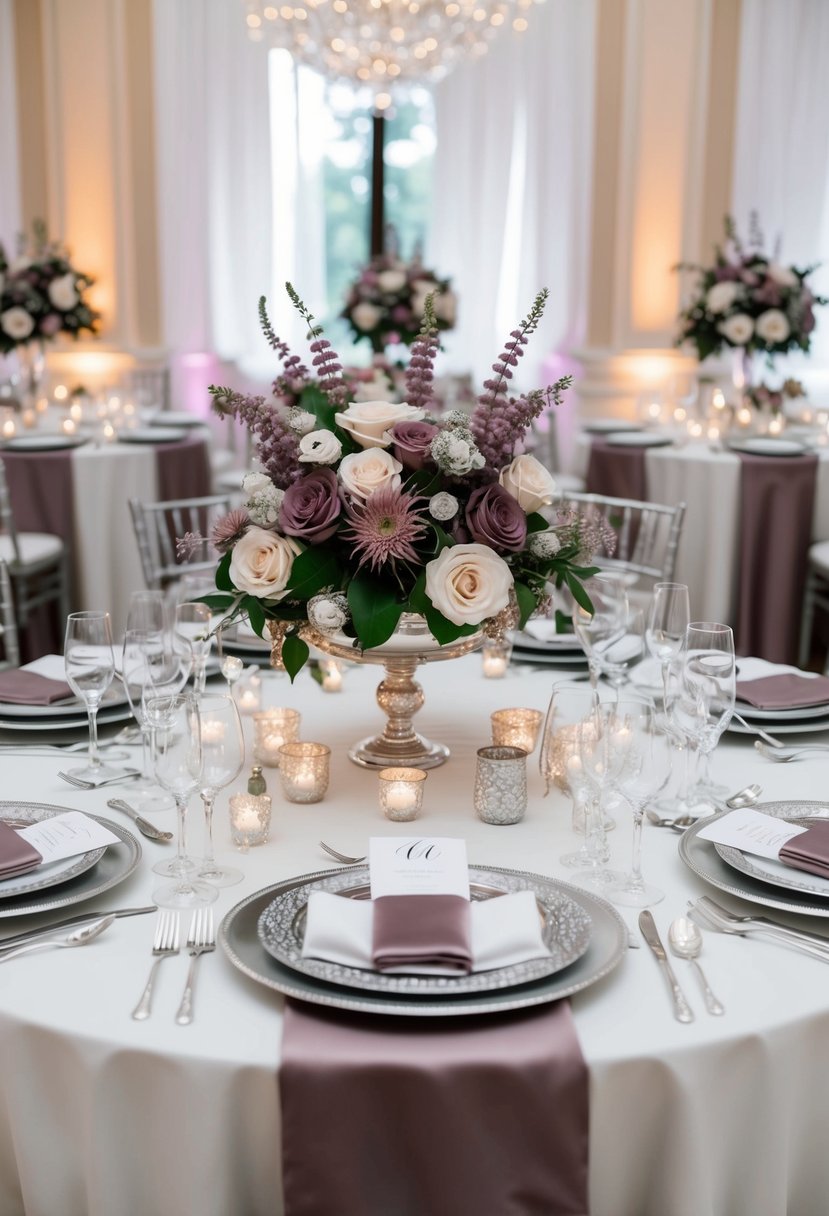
618 472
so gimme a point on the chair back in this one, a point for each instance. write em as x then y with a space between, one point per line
7 527
647 533
159 525
8 625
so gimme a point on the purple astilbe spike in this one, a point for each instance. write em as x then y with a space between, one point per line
293 368
325 359
420 373
277 445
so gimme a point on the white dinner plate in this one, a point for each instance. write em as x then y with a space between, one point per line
53 873
638 439
118 713
43 443
176 418
775 873
113 698
801 713
604 426
558 641
784 726
152 434
767 445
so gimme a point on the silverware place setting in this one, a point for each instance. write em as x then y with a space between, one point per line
144 826
81 936
685 941
711 915
681 1009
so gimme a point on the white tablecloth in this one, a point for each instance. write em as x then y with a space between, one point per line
104 1116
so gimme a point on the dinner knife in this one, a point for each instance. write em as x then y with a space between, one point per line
31 935
682 1010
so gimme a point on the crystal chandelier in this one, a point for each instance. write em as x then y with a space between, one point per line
381 42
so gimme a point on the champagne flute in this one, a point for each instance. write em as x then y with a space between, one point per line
706 697
90 666
669 615
146 612
178 762
192 625
223 747
139 665
570 706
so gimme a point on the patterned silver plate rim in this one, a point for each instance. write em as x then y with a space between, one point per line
21 814
566 933
790 880
240 942
702 857
118 862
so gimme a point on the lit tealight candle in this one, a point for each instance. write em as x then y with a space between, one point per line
29 419
713 432
718 399
68 426
680 413
516 728
9 428
108 432
61 392
496 657
744 416
695 429
655 411
76 411
271 729
776 425
250 819
304 768
332 676
401 792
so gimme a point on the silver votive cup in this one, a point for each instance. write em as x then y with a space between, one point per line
272 728
501 784
303 768
516 728
401 792
495 657
250 819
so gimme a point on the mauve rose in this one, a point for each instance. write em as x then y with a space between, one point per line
494 518
311 507
50 325
807 320
412 441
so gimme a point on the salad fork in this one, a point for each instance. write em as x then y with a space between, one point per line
341 857
129 774
783 754
165 943
201 939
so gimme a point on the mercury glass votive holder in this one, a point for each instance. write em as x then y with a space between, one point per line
495 656
304 769
271 729
250 819
247 694
401 793
501 784
516 728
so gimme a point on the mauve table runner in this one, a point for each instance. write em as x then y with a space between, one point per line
183 469
618 472
388 1116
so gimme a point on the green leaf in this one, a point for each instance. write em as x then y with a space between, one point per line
578 592
418 601
375 610
526 603
445 631
223 574
256 615
216 602
536 522
313 569
316 672
294 654
564 623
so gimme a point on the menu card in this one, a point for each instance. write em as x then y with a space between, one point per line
67 835
418 865
752 832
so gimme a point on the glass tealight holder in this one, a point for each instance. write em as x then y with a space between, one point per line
271 729
516 728
304 769
250 819
495 656
501 784
331 675
248 694
401 793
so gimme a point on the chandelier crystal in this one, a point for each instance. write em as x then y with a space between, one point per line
381 42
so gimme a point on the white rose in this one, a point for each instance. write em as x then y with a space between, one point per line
737 329
783 276
391 280
256 483
17 323
446 307
373 390
772 326
320 447
468 583
368 422
301 421
62 292
366 316
19 264
529 482
364 472
721 296
261 563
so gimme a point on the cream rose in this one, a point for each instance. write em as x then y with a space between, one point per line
529 482
62 292
721 296
366 316
468 583
261 563
364 472
17 323
783 276
772 326
446 307
391 280
737 329
368 422
320 447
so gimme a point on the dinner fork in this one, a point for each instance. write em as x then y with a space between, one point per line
128 774
772 740
165 942
713 915
342 857
783 754
200 940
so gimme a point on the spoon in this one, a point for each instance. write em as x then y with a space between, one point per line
79 938
685 941
744 797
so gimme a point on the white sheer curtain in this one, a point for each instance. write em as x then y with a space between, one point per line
512 185
781 161
9 178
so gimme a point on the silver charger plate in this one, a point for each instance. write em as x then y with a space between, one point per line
703 858
113 698
22 814
560 642
775 872
792 714
117 713
767 445
570 659
117 863
565 931
240 941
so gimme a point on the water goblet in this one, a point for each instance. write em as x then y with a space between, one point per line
223 750
705 701
621 648
90 666
669 615
192 626
572 707
138 657
146 612
608 596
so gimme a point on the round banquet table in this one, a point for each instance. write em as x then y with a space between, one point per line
101 1115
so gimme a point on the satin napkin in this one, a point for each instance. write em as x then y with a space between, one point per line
809 850
502 932
17 856
785 690
421 931
21 687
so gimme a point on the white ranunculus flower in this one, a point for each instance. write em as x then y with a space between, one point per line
17 323
328 613
721 296
544 544
62 292
783 276
364 472
529 482
391 280
261 563
368 422
366 316
443 506
255 483
772 326
468 583
301 421
320 447
737 329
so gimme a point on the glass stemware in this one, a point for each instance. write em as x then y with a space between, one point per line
140 660
223 748
571 706
178 761
90 666
146 612
192 626
705 701
669 615
603 627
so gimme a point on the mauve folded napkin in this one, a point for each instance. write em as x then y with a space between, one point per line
787 690
809 850
17 856
423 931
19 687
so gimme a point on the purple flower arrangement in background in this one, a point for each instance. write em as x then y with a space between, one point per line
386 302
42 294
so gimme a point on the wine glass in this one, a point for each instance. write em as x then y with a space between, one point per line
223 749
178 762
620 647
608 596
140 663
705 701
600 763
570 706
192 625
669 615
146 612
90 666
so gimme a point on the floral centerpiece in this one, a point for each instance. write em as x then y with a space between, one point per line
364 511
42 295
386 301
